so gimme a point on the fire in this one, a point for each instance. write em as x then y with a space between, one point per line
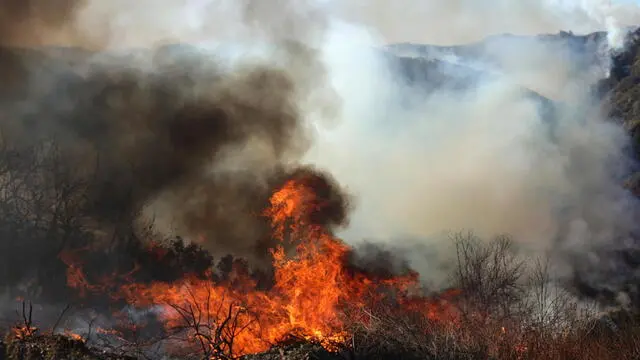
71 335
312 289
77 280
24 332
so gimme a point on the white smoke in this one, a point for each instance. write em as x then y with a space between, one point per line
486 159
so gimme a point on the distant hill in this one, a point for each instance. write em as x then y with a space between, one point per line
508 54
423 67
495 46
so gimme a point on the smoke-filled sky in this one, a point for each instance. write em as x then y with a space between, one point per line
462 21
121 23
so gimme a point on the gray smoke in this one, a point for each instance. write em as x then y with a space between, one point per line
106 144
491 157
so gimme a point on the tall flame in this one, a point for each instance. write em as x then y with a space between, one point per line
312 288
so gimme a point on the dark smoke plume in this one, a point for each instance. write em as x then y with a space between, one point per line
93 144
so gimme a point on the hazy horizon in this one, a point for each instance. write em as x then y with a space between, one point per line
97 25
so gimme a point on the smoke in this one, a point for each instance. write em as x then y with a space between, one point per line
32 21
109 139
196 137
467 21
492 157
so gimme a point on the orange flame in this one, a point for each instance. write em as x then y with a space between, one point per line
77 280
312 288
23 332
77 337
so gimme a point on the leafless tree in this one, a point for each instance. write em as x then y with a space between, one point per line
213 324
489 274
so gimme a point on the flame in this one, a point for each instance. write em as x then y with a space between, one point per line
24 332
514 341
312 289
77 337
77 280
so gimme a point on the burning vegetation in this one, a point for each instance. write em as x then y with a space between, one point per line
75 183
317 300
314 295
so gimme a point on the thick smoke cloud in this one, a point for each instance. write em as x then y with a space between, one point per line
196 137
490 158
98 141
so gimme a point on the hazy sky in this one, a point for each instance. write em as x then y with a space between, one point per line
144 22
459 21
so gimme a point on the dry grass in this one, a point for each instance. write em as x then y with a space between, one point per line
509 310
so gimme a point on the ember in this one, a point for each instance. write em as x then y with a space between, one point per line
24 332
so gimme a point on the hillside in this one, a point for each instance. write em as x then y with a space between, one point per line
621 95
457 67
494 48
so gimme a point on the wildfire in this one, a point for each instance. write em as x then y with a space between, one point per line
313 287
76 278
23 332
71 335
